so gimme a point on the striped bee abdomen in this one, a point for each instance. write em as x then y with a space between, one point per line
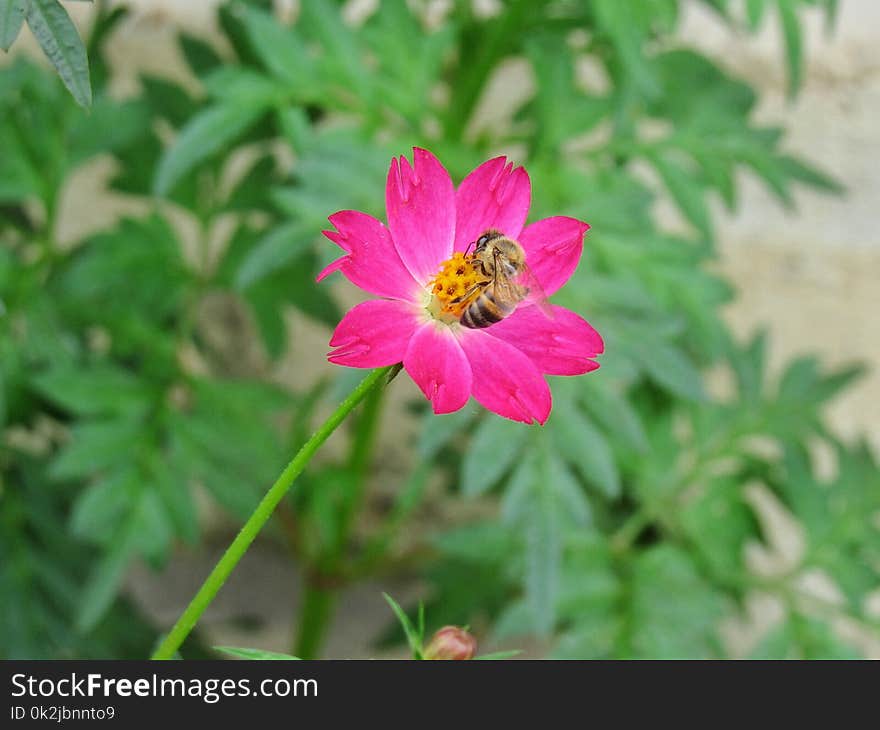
484 311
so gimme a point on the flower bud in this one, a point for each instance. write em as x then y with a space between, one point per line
451 642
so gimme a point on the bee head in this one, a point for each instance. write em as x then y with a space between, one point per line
486 238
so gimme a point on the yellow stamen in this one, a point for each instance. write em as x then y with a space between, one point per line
456 278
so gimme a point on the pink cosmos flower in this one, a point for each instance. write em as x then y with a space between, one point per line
429 221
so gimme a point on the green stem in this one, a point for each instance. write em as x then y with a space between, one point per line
261 515
315 614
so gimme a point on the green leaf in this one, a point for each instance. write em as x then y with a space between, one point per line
514 621
808 175
58 37
594 636
480 542
242 87
627 25
719 173
293 284
671 368
412 634
105 22
131 276
841 541
542 477
543 563
685 190
262 654
19 178
748 364
96 445
4 408
803 383
137 162
555 73
224 412
831 8
496 444
674 611
11 17
342 57
613 411
699 96
754 13
177 499
230 16
791 34
566 489
199 54
208 132
101 390
226 484
110 126
295 127
777 179
249 192
531 505
591 580
583 445
296 284
719 523
151 528
104 581
276 250
799 637
102 506
410 57
168 100
325 181
437 431
269 316
280 49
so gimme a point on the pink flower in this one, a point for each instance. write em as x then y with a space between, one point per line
429 220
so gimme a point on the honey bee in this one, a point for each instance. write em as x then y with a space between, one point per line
507 281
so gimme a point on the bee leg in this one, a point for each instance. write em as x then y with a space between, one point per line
469 293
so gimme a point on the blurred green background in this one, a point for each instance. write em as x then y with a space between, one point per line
711 491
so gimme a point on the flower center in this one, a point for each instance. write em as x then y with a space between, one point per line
452 288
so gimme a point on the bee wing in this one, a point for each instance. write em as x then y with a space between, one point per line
505 289
533 292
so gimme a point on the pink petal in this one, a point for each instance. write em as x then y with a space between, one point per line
563 345
437 364
553 248
492 196
372 262
420 203
506 381
374 334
